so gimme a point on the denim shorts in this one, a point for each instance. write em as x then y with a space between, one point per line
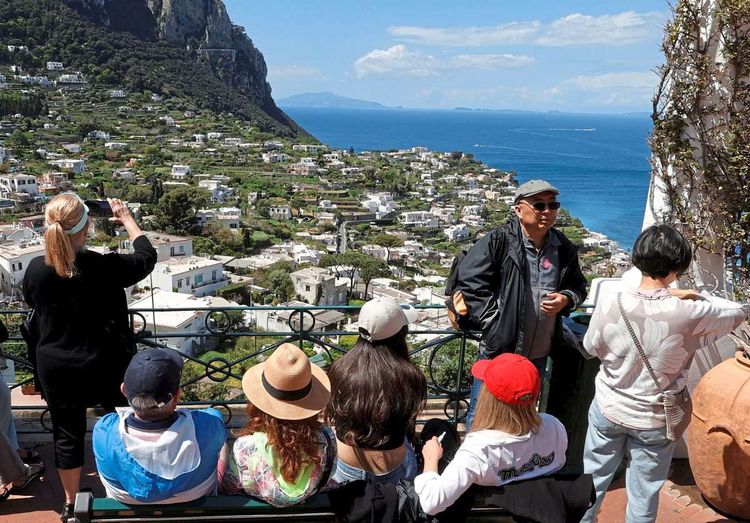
407 470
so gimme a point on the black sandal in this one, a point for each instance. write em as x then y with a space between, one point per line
68 511
34 471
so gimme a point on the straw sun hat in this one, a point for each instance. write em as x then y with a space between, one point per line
286 385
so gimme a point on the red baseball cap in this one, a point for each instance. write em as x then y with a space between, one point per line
509 377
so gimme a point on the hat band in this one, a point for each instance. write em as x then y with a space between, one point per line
286 395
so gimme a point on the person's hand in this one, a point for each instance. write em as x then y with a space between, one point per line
120 211
432 450
554 303
686 294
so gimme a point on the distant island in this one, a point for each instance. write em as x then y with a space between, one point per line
327 99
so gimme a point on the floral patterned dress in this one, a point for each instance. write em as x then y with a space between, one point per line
253 469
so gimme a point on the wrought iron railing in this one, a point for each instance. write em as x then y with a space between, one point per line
445 355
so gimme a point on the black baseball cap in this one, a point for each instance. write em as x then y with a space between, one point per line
154 372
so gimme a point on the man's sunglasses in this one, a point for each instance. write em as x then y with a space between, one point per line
542 206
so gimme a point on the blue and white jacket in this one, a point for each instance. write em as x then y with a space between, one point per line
180 466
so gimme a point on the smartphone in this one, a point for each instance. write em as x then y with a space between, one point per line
99 208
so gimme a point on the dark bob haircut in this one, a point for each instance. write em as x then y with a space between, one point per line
661 249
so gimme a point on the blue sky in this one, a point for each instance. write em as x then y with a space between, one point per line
573 55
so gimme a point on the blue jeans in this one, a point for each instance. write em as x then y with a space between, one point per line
406 470
476 386
649 456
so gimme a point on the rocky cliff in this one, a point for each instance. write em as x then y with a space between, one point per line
203 29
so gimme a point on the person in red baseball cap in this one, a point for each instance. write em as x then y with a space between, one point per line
508 441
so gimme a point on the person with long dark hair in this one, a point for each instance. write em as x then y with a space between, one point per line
646 340
85 339
376 394
284 454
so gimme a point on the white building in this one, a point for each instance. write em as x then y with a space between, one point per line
214 135
99 135
422 219
279 320
444 214
164 322
232 142
70 79
166 245
55 66
380 203
457 233
15 256
117 93
180 172
67 164
23 183
314 149
189 275
304 167
304 254
74 148
280 212
219 192
228 216
274 157
317 286
115 146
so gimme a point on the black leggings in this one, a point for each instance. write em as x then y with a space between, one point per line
69 431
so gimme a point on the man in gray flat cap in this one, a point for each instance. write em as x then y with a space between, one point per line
518 280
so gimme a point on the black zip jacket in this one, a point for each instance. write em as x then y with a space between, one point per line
493 278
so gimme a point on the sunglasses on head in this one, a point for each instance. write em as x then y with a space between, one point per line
542 206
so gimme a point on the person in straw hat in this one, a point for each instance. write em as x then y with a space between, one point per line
284 454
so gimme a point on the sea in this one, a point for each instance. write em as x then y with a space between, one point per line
600 163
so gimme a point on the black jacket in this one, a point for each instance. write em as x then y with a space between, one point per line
85 339
493 278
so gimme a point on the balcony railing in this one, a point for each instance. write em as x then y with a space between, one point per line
444 355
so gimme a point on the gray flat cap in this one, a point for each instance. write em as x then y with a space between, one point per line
533 187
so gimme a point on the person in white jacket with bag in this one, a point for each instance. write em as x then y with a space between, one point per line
509 440
627 415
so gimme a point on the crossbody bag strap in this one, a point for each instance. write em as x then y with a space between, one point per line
637 343
329 460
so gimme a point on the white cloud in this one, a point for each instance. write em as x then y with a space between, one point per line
400 60
630 80
572 30
514 32
293 71
620 29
